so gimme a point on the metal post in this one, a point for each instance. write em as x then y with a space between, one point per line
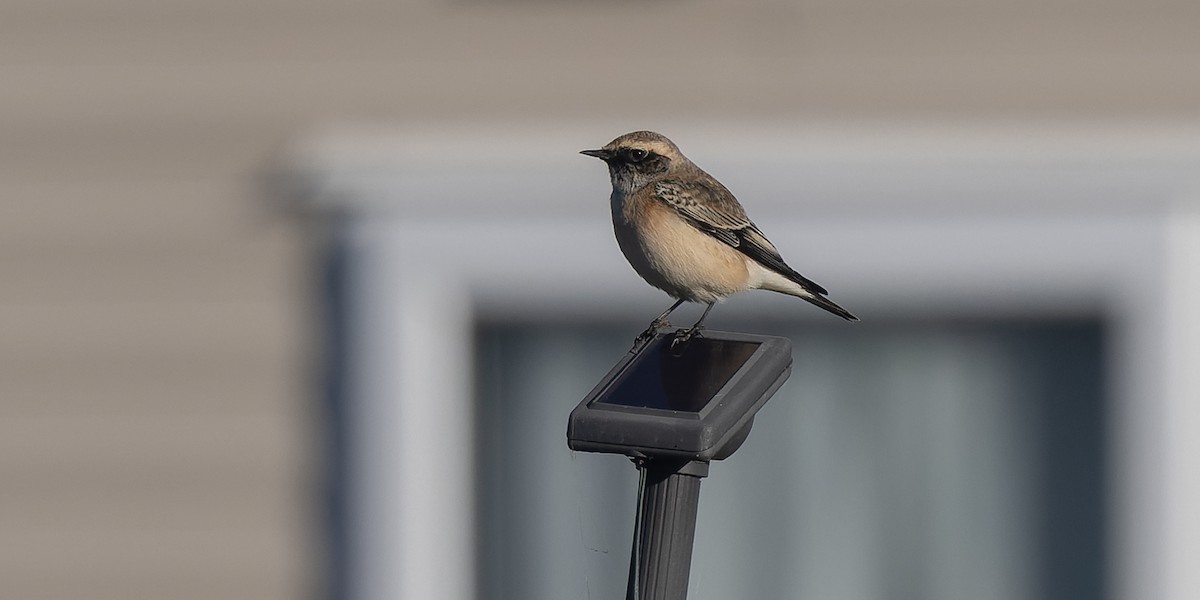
666 529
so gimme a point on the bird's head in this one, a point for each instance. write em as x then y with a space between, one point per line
636 159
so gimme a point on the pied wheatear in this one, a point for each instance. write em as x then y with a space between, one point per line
687 235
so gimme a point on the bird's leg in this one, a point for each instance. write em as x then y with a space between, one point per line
695 329
699 322
659 322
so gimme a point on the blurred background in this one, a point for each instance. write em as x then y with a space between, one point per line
296 296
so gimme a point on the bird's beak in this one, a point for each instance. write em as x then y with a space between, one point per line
600 154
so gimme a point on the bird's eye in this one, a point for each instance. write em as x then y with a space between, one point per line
638 154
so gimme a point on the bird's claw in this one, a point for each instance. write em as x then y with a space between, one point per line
682 337
650 332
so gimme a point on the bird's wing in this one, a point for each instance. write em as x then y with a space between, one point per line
711 208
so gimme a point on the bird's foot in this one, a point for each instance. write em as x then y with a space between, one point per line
650 332
682 337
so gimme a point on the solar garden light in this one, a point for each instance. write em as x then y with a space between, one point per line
674 407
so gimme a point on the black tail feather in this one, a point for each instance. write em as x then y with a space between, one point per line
830 306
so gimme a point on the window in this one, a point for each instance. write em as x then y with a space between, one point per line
1073 271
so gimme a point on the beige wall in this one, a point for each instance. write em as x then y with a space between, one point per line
156 438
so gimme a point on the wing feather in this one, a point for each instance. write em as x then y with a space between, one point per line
711 208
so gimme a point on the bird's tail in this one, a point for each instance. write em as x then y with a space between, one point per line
795 284
828 305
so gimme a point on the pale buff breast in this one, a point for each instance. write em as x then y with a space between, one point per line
672 255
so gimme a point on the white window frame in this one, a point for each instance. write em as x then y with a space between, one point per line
447 225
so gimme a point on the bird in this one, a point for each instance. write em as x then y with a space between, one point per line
686 234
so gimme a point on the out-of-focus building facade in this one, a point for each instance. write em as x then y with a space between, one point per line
159 429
